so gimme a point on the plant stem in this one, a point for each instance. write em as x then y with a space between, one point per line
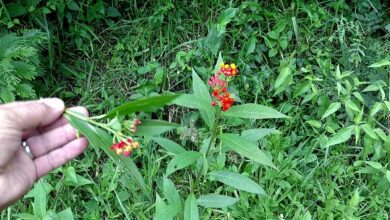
214 131
89 120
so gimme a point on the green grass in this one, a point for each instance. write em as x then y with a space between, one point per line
102 62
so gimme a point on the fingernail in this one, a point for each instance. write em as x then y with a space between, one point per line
54 103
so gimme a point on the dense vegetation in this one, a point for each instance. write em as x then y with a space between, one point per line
324 64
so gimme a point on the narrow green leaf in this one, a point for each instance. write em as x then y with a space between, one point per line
387 175
226 16
166 212
151 128
253 111
237 181
383 62
258 133
246 148
371 88
382 135
331 109
314 123
182 160
351 105
272 52
218 64
201 91
340 137
375 109
387 104
216 201
144 105
170 192
65 215
191 211
354 201
369 131
40 199
285 72
374 165
307 216
168 145
192 101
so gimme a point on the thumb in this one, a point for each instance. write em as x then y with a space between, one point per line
22 116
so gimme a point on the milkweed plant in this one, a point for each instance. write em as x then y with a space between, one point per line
120 133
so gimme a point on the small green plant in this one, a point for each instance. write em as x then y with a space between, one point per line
19 64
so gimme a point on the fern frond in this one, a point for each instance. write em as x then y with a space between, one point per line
25 70
8 41
25 90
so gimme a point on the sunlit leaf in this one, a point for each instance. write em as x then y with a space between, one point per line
253 111
168 145
192 101
201 91
383 62
171 193
151 128
216 201
237 181
246 148
332 108
369 131
164 211
191 211
341 136
142 105
182 160
258 133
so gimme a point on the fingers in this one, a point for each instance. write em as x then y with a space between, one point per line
53 136
58 123
60 156
22 116
46 142
62 121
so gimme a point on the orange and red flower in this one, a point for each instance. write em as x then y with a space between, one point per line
125 147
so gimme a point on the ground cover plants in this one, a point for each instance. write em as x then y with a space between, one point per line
208 109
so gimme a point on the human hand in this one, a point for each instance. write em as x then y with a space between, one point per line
52 142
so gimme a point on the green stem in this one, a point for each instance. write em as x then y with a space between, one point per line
214 131
89 120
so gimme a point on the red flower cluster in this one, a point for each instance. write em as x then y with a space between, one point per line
223 96
220 93
125 147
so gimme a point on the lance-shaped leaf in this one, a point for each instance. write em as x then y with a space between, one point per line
246 148
145 105
168 145
182 160
216 201
237 181
191 211
151 128
192 101
201 91
254 111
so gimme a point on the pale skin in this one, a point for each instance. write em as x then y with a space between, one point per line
51 139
